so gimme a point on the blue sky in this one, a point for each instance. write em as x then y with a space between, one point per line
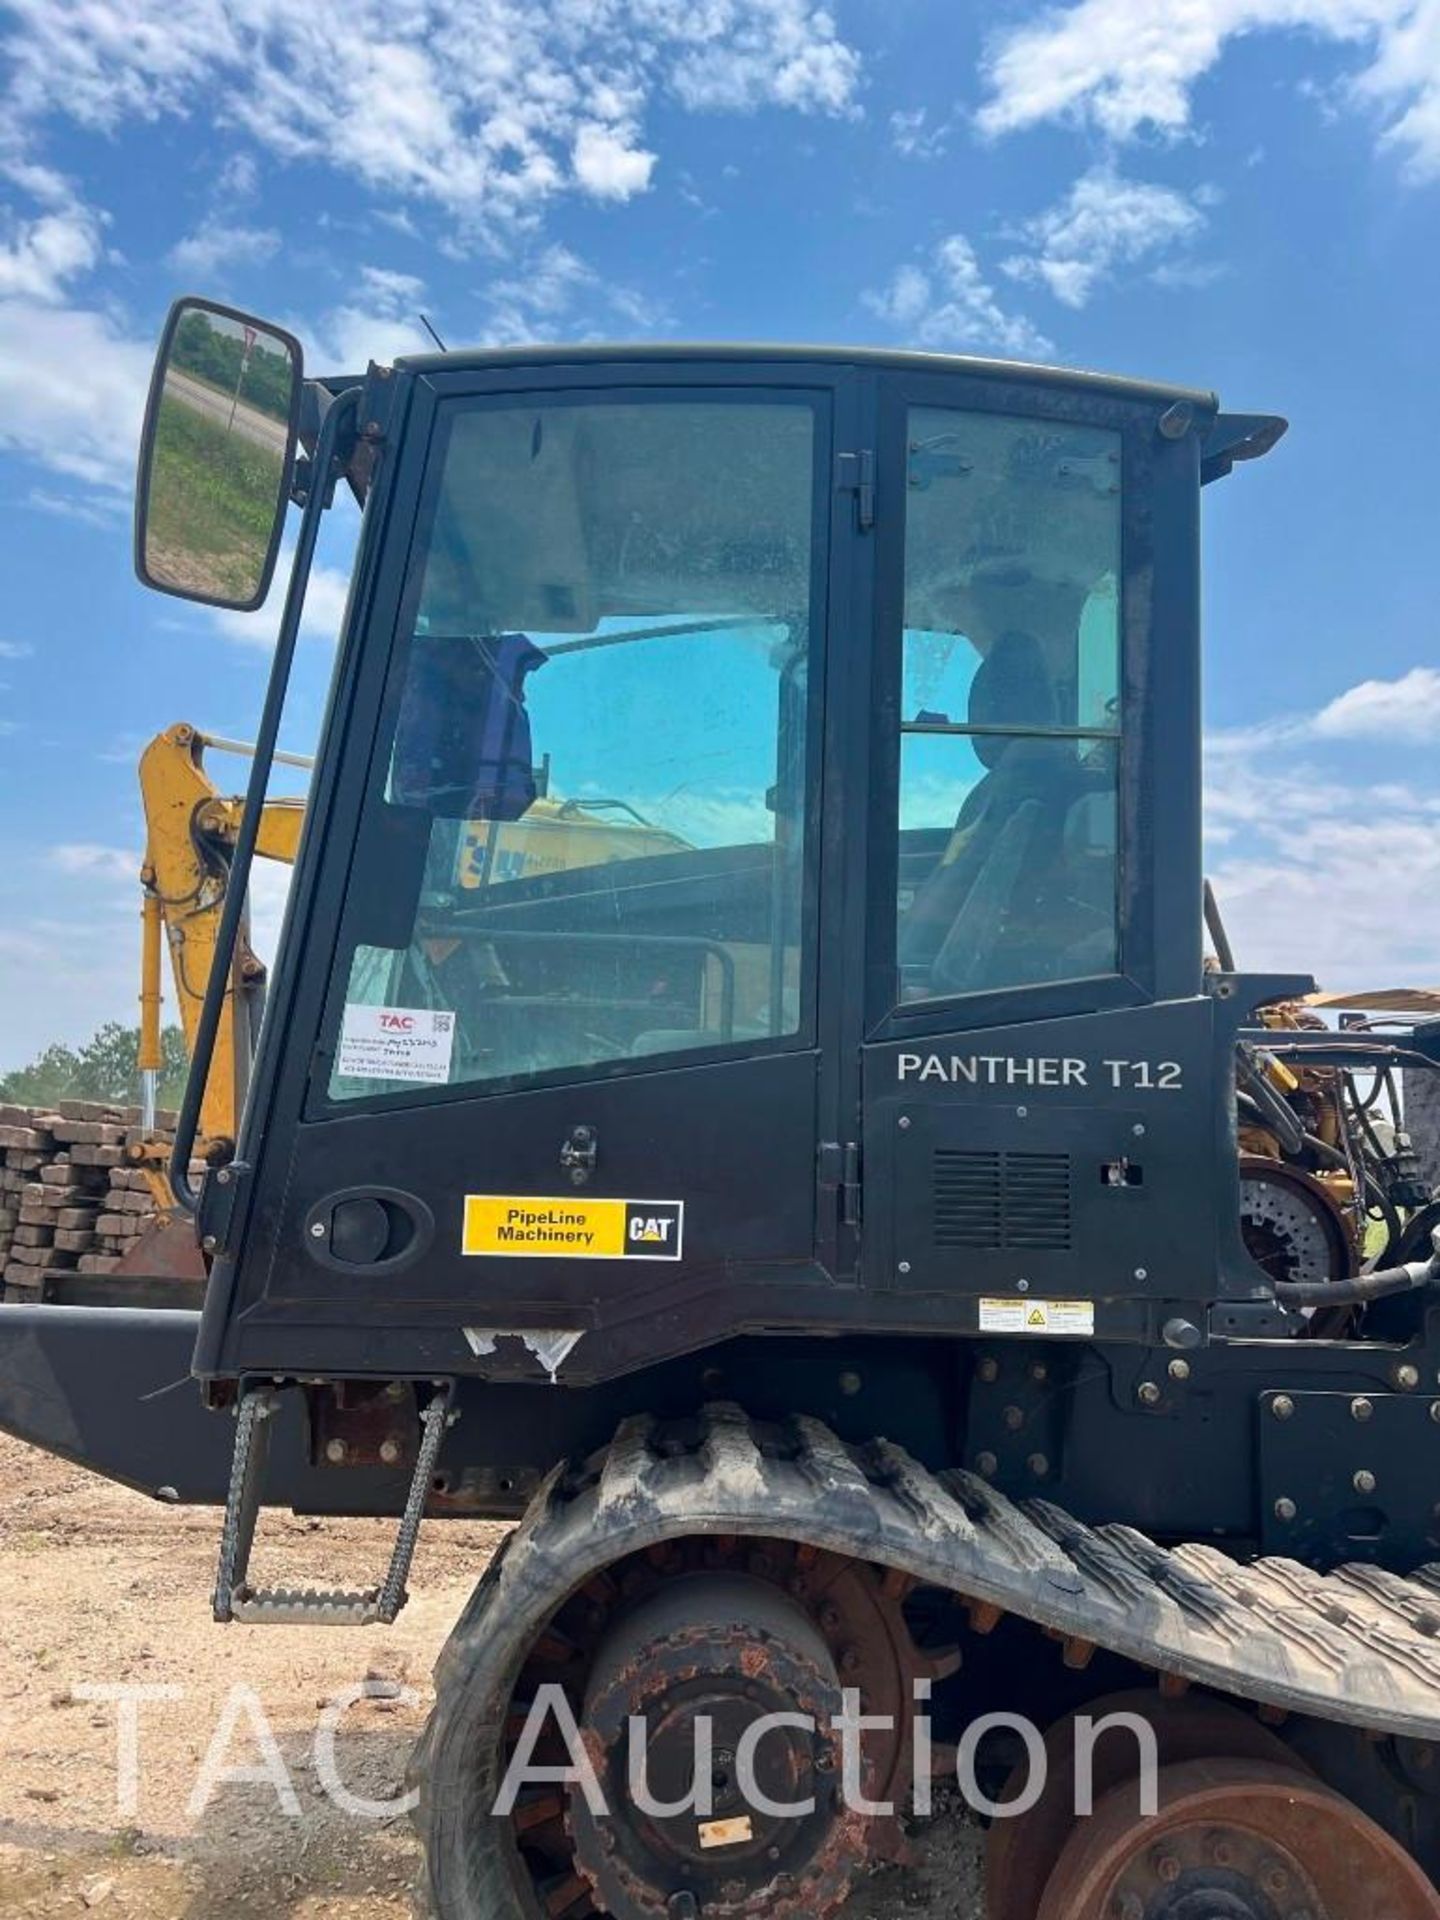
1242 194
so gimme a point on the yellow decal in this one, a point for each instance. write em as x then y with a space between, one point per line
1074 1317
727 1833
523 1226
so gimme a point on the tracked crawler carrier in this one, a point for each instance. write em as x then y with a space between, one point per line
877 1260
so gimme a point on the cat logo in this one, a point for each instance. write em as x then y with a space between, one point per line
653 1229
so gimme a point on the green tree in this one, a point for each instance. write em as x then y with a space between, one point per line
103 1068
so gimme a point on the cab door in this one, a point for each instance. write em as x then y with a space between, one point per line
551 1085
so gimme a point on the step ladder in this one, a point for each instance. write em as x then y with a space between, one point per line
237 1600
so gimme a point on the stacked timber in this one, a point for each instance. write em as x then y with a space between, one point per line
70 1199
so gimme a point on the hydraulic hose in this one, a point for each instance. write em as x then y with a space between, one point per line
1364 1287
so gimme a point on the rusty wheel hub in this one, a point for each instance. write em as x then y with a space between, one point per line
1234 1840
1023 1851
719 1670
708 1645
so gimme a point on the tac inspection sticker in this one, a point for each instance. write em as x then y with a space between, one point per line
1037 1316
524 1227
412 1044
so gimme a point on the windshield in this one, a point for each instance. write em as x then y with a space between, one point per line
600 733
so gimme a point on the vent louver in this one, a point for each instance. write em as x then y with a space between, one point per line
1002 1202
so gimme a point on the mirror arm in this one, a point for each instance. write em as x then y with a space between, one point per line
332 449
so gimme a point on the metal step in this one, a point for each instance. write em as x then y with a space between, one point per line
237 1600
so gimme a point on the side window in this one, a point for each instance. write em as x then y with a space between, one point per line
602 732
1010 711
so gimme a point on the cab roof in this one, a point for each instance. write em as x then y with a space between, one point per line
763 353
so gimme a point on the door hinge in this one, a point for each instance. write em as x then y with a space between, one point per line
855 473
220 1198
840 1169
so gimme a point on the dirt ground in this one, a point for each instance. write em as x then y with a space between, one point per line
99 1587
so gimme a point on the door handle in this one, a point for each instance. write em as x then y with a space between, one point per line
368 1230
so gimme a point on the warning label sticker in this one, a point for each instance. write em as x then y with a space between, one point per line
521 1226
1037 1316
396 1043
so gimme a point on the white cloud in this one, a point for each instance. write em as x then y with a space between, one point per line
216 247
107 511
41 254
1103 223
743 54
15 650
102 862
1130 66
553 290
608 164
949 305
1405 710
325 596
529 304
1308 840
381 323
913 137
486 107
72 391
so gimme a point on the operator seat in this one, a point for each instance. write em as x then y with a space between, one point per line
1008 834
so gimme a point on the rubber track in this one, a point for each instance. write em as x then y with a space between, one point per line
1359 1645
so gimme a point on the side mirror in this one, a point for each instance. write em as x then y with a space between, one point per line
216 455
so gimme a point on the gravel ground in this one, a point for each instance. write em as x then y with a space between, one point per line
99 1587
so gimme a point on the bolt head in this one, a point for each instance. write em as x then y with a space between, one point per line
1273 1877
904 1266
1148 1393
1039 1465
317 1232
1179 1369
1167 1868
904 1123
1014 1418
1142 1273
986 1465
1285 1509
1407 1377
389 1451
1283 1407
1364 1481
1022 1286
850 1384
989 1370
1361 1408
336 1451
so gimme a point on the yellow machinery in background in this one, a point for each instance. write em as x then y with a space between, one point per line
190 830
